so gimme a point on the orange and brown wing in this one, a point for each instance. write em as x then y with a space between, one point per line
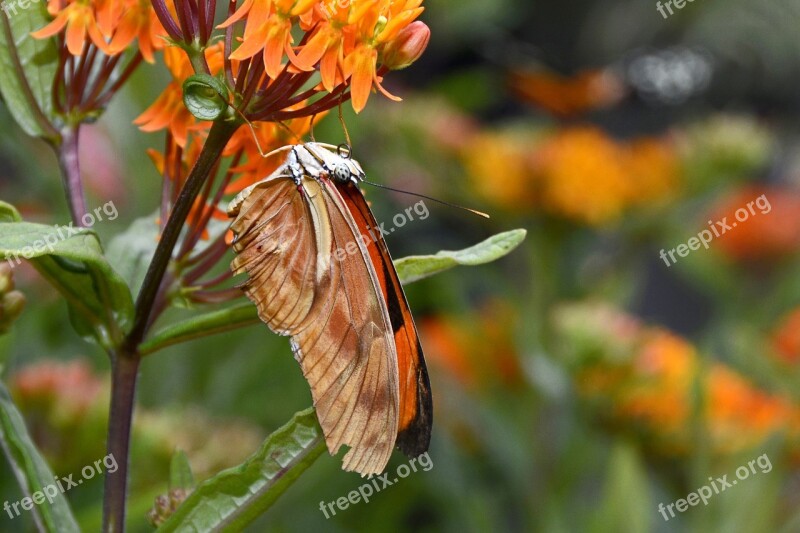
332 309
416 405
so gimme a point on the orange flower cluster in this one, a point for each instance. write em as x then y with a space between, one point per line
579 173
347 39
66 404
186 135
786 338
110 25
565 96
478 351
654 383
69 389
762 236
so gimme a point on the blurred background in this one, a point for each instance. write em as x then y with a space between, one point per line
579 382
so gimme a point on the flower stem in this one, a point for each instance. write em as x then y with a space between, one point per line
218 137
125 362
71 172
125 368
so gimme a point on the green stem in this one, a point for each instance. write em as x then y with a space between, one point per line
126 360
218 137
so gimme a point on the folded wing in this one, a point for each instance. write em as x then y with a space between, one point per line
311 278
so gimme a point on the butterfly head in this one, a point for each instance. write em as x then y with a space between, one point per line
344 168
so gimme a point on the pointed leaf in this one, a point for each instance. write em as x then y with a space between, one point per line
417 267
72 260
180 472
28 67
237 496
32 472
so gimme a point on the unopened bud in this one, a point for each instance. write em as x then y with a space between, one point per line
407 47
6 279
11 305
165 505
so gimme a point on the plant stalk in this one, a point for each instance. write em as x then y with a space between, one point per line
125 368
218 137
71 173
125 362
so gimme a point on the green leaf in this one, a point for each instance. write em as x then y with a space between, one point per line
72 260
131 251
28 67
409 269
237 316
417 267
237 496
31 471
205 96
627 504
180 472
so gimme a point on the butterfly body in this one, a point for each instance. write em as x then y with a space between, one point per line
320 273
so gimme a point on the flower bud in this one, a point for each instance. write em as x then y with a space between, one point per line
407 47
165 505
6 279
11 305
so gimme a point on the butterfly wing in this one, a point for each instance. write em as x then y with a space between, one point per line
416 406
329 303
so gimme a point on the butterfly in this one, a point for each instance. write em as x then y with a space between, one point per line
320 272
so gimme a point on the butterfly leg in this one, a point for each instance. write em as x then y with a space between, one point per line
295 167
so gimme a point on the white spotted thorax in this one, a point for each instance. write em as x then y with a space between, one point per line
317 159
312 160
308 165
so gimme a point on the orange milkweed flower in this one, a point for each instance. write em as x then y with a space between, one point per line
138 21
786 338
584 176
168 111
655 383
268 30
80 18
566 96
492 157
765 234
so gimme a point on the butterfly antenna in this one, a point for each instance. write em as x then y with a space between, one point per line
255 137
291 133
341 120
311 127
473 211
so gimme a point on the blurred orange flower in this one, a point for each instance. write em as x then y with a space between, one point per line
478 351
566 96
579 173
786 338
658 385
767 234
583 176
69 388
500 165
